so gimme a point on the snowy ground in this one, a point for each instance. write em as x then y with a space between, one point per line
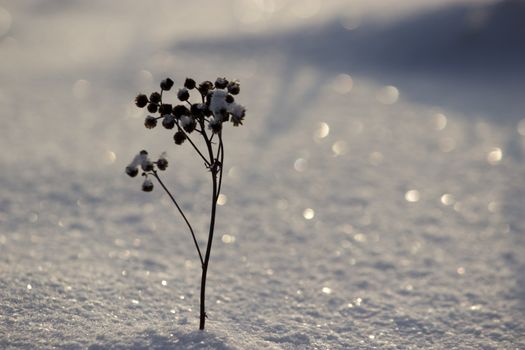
371 203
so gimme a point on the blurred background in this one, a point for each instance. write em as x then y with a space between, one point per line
380 164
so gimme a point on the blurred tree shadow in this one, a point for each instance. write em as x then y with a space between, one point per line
464 57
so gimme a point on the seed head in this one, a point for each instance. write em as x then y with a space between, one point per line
162 163
154 97
205 86
166 84
165 109
141 100
234 87
179 137
147 185
152 108
188 123
221 83
189 84
237 112
215 125
132 171
229 99
183 94
168 121
147 165
197 110
180 110
150 122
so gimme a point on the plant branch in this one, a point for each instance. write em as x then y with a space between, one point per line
181 213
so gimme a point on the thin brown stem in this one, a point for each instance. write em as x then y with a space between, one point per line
181 213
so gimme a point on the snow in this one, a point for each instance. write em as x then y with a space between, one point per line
373 197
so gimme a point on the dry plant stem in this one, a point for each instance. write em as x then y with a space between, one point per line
181 213
215 170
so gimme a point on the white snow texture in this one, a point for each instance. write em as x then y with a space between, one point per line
374 196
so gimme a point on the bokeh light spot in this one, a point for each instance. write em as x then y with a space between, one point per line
339 148
222 199
495 156
308 213
387 95
440 121
412 196
300 164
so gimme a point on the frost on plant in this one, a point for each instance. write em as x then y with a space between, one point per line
203 119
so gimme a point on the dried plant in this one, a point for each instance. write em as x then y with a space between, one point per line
216 108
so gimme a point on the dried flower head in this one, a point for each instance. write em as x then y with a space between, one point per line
204 87
150 122
188 123
141 100
147 185
162 163
221 83
166 84
154 97
183 94
189 84
168 121
197 110
234 87
179 137
180 110
237 112
165 109
132 171
215 125
152 108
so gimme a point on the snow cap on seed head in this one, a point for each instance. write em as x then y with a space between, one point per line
147 185
162 162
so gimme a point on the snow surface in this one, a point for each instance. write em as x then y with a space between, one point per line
369 204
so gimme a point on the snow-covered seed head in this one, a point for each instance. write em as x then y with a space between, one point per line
179 137
215 125
189 84
166 84
150 122
218 101
147 165
180 110
162 163
188 123
237 112
152 108
205 86
234 87
143 160
147 185
165 109
154 97
183 94
141 100
221 83
132 170
168 121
